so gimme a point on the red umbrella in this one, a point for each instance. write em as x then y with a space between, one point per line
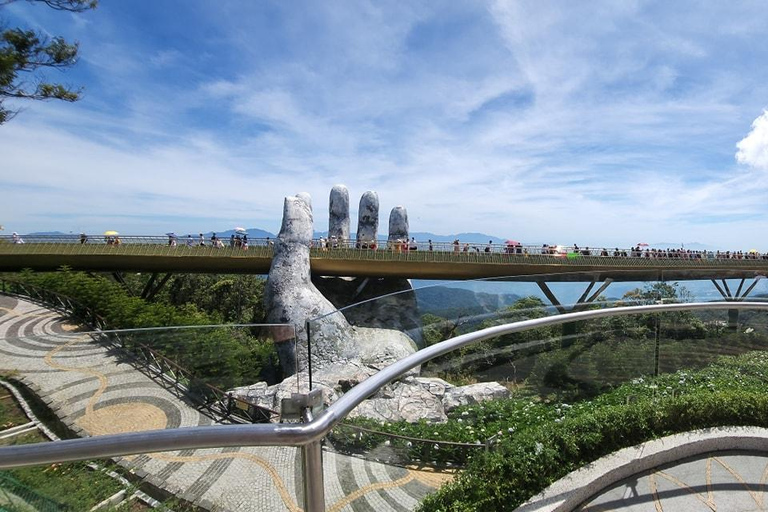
513 242
642 244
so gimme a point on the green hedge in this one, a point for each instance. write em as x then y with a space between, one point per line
225 357
733 391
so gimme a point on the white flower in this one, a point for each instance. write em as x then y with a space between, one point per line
538 448
436 446
465 413
409 444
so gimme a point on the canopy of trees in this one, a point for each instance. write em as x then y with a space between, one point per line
25 53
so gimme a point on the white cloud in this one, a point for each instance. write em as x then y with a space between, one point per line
753 149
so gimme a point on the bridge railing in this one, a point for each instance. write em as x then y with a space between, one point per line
381 249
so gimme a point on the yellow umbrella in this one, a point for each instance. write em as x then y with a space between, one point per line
111 233
754 250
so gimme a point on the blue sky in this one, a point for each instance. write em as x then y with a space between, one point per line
597 123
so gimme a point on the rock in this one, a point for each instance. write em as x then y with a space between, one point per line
408 402
398 224
338 213
291 298
436 386
472 394
368 218
380 348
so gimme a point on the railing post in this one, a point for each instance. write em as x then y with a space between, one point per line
303 407
312 471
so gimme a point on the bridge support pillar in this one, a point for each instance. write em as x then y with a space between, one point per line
725 292
150 289
581 303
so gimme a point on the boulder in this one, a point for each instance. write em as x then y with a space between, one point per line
472 394
402 401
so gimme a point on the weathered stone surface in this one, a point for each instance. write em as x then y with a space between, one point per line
334 380
410 399
368 218
398 224
380 348
409 402
304 196
472 394
434 385
291 298
338 213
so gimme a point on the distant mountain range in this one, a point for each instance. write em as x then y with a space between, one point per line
449 302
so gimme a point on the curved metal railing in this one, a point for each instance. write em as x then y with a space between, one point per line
309 434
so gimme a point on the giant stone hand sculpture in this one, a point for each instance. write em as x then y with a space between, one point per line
291 298
348 349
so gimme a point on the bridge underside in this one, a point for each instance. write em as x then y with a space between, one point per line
378 265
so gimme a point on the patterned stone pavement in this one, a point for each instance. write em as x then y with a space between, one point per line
721 482
95 393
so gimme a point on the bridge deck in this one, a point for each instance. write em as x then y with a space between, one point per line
153 257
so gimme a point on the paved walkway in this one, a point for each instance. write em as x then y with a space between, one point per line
94 393
717 482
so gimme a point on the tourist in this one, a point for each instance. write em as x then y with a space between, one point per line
431 248
83 238
190 242
466 248
414 246
16 238
232 241
456 245
202 240
488 247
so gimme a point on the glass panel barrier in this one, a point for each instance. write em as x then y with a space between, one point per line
437 418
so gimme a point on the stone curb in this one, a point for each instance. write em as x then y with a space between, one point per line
576 488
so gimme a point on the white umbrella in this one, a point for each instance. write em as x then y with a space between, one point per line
240 231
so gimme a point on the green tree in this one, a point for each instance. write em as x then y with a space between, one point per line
24 54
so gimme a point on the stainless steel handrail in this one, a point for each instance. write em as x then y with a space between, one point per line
312 432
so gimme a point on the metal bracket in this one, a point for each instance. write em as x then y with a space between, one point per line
292 408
